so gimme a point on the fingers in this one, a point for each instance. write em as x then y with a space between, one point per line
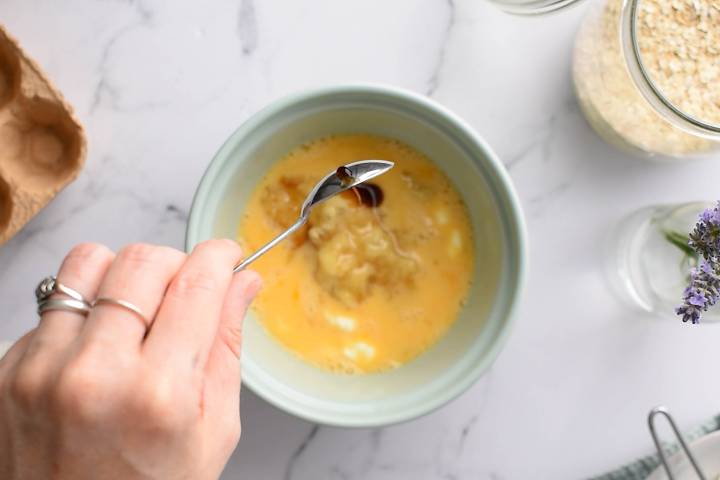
83 270
188 320
139 275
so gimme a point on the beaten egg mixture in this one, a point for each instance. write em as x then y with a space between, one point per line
360 289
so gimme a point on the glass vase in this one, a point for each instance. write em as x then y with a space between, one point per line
648 261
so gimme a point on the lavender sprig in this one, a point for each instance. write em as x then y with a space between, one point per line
701 294
703 290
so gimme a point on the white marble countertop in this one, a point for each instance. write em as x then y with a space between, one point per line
159 86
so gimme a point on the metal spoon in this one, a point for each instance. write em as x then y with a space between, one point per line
344 178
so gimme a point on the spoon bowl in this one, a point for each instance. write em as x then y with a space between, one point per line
344 178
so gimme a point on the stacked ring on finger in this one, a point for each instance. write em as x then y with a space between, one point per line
49 286
130 307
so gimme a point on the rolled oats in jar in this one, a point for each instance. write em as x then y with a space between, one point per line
647 75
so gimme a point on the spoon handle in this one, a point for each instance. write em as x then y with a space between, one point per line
241 266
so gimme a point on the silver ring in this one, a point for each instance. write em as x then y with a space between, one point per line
66 304
123 304
49 286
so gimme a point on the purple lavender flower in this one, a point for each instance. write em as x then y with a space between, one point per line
702 293
704 288
705 237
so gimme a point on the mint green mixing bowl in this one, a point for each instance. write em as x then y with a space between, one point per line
472 343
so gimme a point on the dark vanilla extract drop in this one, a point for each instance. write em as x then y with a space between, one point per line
369 194
345 175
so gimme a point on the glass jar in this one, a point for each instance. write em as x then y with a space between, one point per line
648 261
617 93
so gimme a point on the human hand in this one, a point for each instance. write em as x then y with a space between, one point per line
109 396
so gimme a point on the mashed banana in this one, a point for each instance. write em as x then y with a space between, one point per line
355 253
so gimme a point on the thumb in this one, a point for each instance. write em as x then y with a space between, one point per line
221 391
243 289
223 365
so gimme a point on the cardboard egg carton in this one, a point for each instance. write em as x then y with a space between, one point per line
42 145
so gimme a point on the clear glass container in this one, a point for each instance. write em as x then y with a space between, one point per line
645 264
617 94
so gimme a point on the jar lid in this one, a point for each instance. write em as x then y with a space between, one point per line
532 7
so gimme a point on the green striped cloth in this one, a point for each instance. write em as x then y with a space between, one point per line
643 467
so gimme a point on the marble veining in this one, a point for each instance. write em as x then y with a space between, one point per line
304 444
434 81
104 86
160 85
247 27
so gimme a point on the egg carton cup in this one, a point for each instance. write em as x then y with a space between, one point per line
42 144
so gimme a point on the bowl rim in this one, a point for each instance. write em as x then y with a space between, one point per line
513 223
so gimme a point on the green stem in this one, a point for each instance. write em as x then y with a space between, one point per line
680 241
